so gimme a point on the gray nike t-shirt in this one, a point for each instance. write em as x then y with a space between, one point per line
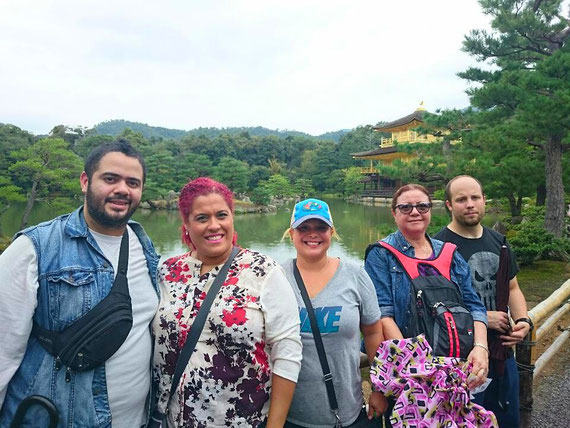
347 301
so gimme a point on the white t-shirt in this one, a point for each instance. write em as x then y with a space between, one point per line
128 370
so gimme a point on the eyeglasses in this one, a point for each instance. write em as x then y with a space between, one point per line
422 207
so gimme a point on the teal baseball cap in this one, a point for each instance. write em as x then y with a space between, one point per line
308 209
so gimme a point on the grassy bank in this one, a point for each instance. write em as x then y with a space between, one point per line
540 279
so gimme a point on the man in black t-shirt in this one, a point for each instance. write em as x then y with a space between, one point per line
481 247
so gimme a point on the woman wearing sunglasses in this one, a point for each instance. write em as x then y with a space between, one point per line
411 209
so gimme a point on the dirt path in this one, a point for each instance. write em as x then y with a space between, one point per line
551 389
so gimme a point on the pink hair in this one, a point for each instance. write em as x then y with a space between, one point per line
201 186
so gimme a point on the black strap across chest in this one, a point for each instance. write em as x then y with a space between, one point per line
57 343
327 375
199 321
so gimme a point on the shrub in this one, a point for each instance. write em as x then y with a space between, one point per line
260 195
438 222
439 195
532 241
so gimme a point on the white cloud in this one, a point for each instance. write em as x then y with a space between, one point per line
313 66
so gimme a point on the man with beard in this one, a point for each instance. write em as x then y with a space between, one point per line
53 275
481 247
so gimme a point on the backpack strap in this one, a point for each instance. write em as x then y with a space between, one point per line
442 263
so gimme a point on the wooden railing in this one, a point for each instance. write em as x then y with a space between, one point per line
369 170
380 193
528 365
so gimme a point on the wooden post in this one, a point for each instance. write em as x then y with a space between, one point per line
525 361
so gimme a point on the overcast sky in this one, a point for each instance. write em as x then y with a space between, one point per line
312 65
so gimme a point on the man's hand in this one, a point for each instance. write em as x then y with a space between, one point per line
517 334
377 403
499 320
479 357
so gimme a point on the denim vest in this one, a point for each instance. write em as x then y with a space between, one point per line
73 276
393 287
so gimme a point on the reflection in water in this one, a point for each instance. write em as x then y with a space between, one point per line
356 224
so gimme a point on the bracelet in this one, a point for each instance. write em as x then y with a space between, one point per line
482 346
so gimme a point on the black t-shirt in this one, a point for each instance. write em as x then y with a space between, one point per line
482 254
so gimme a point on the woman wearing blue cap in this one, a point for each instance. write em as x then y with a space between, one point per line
342 298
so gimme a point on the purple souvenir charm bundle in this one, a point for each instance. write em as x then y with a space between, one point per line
429 391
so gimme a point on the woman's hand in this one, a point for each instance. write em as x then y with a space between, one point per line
377 404
479 358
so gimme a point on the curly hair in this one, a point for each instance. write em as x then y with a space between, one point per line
201 186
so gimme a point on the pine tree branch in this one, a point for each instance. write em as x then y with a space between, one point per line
534 45
536 5
535 144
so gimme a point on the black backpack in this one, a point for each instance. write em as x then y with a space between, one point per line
437 308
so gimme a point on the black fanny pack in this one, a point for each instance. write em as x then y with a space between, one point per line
97 335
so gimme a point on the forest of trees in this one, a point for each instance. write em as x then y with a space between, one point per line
47 168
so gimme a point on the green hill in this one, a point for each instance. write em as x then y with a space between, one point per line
116 127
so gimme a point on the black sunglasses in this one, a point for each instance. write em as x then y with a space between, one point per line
422 207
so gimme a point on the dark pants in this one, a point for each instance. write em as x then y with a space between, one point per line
505 390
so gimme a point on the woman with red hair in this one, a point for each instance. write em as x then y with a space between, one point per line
246 362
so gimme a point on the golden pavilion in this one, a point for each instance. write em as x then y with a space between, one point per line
401 131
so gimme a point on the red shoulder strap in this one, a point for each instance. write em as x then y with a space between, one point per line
442 263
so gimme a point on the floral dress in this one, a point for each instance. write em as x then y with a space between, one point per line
227 381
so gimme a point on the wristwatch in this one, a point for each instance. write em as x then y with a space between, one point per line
527 320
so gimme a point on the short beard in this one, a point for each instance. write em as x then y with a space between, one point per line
97 212
471 222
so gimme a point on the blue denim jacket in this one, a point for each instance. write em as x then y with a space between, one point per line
393 285
73 276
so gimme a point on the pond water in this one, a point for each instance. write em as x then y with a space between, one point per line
357 225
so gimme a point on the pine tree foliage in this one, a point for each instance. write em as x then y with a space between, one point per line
522 88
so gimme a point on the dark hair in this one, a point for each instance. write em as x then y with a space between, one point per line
448 187
405 188
201 186
122 145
